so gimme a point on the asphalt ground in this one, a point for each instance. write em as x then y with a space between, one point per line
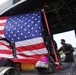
68 69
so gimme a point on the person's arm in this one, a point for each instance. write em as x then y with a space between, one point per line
60 49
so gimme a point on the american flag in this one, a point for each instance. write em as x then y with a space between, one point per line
26 31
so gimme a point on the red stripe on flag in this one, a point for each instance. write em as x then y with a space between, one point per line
3 18
1 31
25 60
1 43
2 24
37 56
31 47
5 51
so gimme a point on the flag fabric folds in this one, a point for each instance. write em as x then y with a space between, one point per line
26 31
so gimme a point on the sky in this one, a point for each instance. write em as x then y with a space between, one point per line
68 36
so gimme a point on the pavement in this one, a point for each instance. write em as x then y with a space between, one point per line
68 69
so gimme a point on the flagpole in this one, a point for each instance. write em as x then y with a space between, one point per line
47 25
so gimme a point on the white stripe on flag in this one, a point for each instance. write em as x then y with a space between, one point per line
2 35
2 47
6 55
3 21
1 27
29 42
20 57
34 52
11 56
5 43
26 42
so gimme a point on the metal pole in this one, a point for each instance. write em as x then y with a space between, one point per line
60 67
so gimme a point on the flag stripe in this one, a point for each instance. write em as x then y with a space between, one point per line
37 56
6 55
29 42
5 52
24 47
26 42
3 42
2 24
2 36
4 47
11 56
31 47
1 27
2 21
18 56
40 51
1 31
25 60
3 18
24 52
